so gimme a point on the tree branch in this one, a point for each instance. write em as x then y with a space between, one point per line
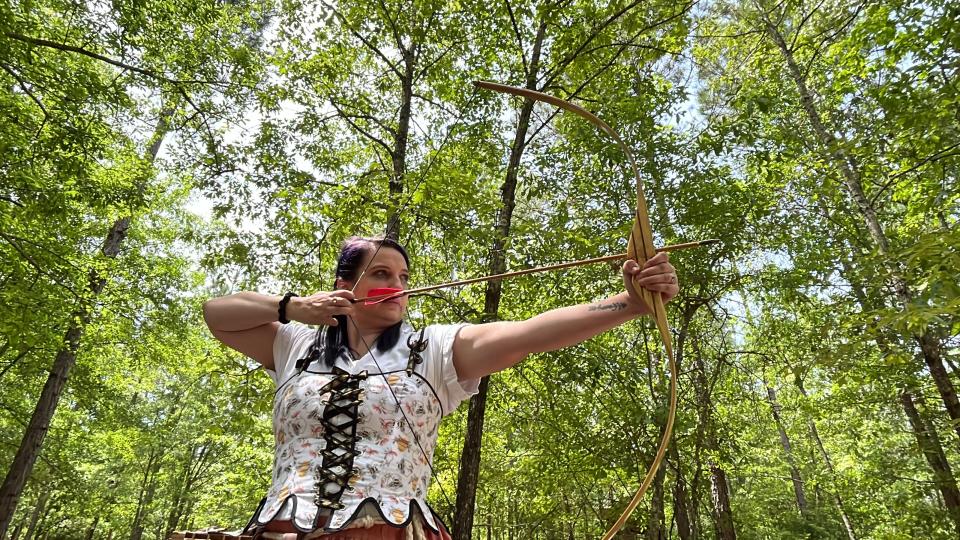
553 73
363 40
20 356
393 27
516 32
26 89
96 56
354 125
936 156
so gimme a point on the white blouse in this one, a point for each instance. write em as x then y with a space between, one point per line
344 443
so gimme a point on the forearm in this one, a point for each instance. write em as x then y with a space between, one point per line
571 325
240 311
487 348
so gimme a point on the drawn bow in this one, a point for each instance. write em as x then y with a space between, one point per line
639 248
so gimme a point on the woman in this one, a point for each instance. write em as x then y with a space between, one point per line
359 400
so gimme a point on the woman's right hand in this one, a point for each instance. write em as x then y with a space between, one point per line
321 307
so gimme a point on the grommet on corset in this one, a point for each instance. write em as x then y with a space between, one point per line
353 393
329 504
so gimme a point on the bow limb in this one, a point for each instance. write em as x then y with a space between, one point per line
640 248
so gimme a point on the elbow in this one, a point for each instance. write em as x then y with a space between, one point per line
510 360
506 359
209 312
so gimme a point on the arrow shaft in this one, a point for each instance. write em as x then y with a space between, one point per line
505 275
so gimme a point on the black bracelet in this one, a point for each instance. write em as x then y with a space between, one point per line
282 312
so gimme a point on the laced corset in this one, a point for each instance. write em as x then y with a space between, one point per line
343 446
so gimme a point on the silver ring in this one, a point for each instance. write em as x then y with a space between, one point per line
673 279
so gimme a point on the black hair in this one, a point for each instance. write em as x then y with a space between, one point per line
352 253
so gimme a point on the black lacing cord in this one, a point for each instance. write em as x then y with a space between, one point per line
340 449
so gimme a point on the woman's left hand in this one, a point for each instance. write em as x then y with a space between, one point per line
657 275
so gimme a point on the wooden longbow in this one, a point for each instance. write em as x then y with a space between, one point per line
639 248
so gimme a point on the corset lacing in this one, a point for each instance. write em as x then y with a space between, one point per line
335 471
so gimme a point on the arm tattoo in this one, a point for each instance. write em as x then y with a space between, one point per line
613 306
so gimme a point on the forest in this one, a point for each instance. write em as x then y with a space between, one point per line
157 153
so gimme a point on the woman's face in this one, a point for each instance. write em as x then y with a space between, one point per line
387 269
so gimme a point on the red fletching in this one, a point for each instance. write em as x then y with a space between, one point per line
386 292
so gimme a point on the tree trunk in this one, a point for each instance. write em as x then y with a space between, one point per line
194 467
470 465
719 489
470 458
35 515
656 529
66 357
42 414
815 435
399 154
798 491
720 493
695 525
181 492
931 348
929 444
681 501
147 489
930 345
41 530
93 527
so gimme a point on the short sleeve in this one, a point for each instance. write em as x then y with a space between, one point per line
291 343
440 371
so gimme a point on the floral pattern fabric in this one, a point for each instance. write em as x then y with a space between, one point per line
398 421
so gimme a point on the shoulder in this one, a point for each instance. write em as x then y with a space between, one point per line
439 368
292 338
441 332
294 332
290 343
437 339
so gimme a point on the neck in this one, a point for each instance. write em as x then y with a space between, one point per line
359 337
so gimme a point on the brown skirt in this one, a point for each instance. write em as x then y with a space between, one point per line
283 530
382 532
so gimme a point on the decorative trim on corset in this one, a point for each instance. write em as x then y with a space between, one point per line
416 346
339 419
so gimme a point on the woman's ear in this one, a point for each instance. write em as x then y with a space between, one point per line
341 283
